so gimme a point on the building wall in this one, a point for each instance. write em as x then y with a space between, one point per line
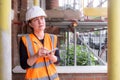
17 28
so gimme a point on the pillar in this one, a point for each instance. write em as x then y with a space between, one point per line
113 39
52 4
5 40
36 2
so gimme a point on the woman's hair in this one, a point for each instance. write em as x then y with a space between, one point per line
29 28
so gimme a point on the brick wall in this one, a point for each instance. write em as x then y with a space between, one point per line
83 76
70 76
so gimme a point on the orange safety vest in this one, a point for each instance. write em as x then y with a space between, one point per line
43 69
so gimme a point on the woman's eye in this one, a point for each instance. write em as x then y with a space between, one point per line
35 19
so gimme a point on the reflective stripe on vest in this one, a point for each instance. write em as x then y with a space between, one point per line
46 78
29 45
52 39
41 64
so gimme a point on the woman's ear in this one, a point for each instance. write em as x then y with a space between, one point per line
30 24
30 27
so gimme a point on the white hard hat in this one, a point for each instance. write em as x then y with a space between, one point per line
33 12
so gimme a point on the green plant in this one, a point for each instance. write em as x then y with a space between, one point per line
81 55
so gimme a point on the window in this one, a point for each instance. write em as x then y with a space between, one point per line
90 48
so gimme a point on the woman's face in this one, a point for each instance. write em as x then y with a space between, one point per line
38 23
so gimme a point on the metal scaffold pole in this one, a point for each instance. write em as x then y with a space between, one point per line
5 40
75 55
113 39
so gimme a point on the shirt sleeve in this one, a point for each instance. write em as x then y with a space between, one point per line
23 55
58 56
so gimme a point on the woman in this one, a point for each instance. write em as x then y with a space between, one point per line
35 55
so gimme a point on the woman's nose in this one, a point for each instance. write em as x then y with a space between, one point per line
39 20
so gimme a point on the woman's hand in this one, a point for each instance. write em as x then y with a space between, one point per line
52 57
42 52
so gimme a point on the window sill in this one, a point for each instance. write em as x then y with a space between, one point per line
71 69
